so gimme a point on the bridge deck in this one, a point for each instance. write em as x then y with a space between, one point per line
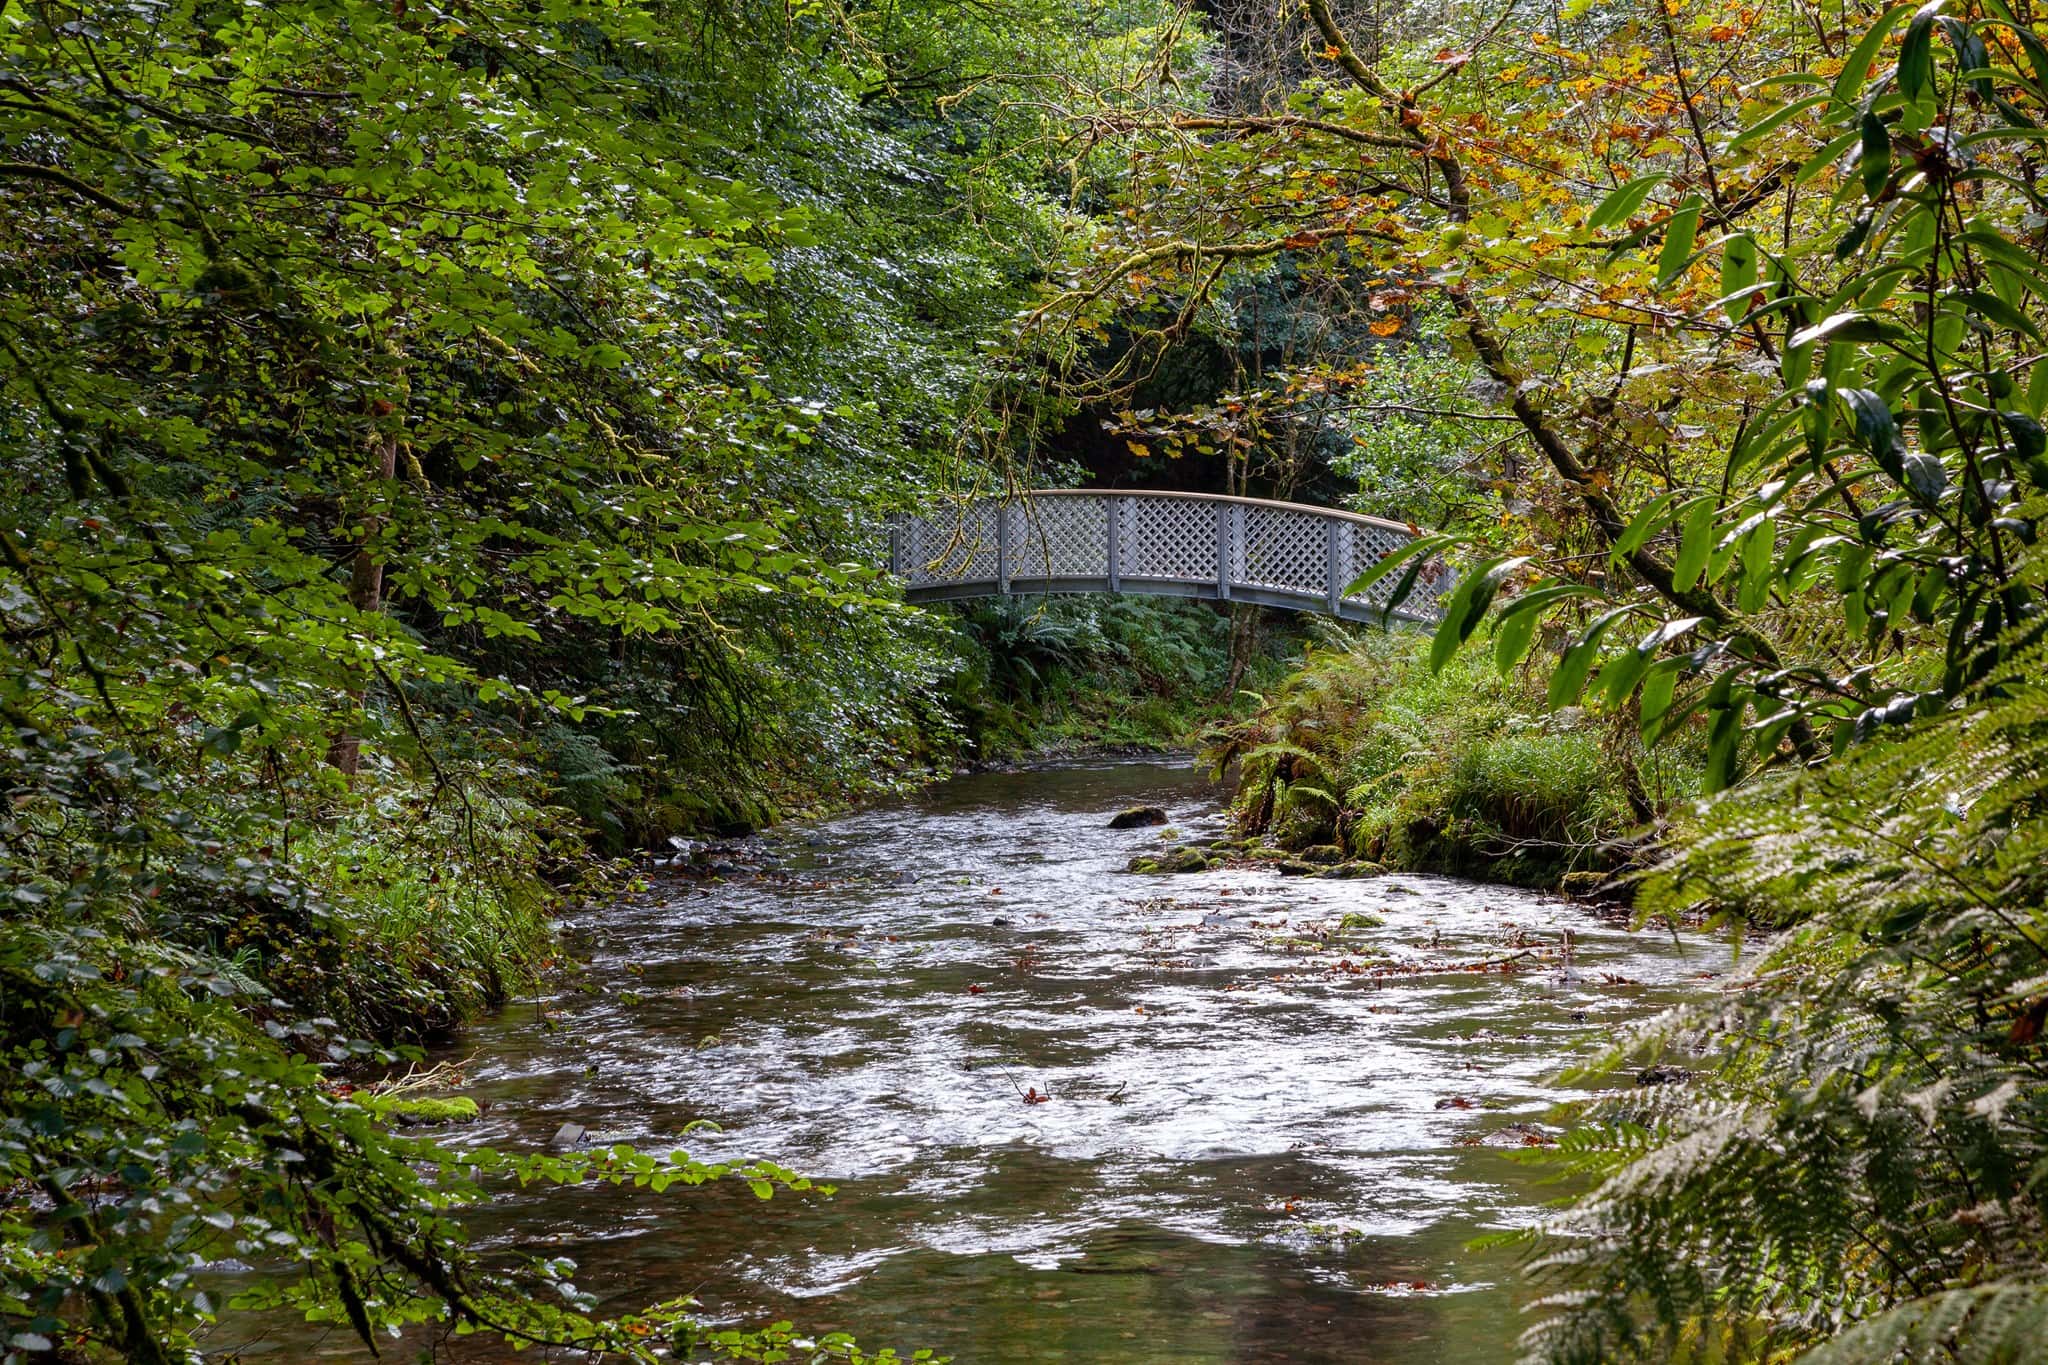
1277 554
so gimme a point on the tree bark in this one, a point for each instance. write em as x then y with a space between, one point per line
366 575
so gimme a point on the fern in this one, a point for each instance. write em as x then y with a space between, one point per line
1856 1174
1996 1324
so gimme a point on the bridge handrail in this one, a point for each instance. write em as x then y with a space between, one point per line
1336 513
1204 545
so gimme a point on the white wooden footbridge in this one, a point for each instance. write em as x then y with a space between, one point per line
1276 554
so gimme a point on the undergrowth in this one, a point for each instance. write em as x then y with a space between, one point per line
1056 674
1463 771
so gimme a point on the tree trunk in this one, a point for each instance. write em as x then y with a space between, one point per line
1244 645
366 575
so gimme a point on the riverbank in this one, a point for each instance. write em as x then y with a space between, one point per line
1068 676
1366 754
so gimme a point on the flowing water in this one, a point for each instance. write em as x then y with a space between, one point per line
1266 1135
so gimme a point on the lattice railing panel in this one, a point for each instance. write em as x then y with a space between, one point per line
1169 538
954 546
1059 538
1283 548
1371 544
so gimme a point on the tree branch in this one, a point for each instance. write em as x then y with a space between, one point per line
1287 123
29 170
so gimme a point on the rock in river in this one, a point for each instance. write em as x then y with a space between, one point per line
1172 860
1137 817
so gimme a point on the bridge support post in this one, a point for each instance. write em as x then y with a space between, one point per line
1229 535
896 527
1336 554
1003 547
1115 535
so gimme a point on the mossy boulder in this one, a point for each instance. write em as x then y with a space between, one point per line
1172 860
419 1110
1138 817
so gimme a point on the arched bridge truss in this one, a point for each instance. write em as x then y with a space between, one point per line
1276 554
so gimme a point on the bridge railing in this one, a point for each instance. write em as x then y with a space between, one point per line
1164 544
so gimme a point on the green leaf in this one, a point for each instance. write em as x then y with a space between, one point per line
2001 134
1997 310
1851 326
1916 54
1695 544
1653 518
1857 68
1624 201
1416 548
1765 125
1738 275
1512 636
1971 54
1658 686
2029 438
1757 552
1875 163
1919 473
1618 677
1467 607
1568 679
1825 156
1515 624
1668 631
1859 231
2037 52
1724 745
1678 240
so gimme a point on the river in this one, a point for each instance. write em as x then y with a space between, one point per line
1073 1113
